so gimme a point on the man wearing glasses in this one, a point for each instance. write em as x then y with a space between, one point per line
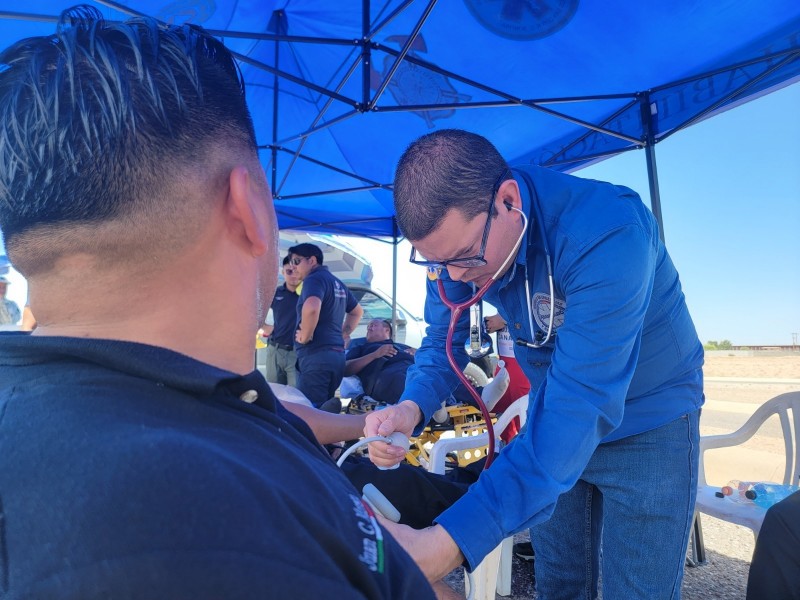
594 305
327 313
281 357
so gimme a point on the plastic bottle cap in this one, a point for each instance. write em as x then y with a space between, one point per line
750 495
719 494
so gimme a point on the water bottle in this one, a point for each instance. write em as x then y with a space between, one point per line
768 494
740 492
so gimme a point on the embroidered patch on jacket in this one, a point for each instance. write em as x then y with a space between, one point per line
540 307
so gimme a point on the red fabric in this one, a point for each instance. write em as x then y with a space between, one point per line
518 386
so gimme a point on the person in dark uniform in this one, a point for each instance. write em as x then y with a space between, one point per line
775 568
380 363
281 357
327 313
143 456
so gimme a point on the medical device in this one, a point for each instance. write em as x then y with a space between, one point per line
457 309
538 339
375 498
371 495
455 314
478 344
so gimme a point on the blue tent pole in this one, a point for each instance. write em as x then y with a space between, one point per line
278 21
394 274
366 55
648 111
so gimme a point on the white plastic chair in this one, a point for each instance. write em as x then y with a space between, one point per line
494 572
787 407
444 446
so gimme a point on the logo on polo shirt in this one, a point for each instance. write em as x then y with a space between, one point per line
371 551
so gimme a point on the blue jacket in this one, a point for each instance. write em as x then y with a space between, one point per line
625 358
129 471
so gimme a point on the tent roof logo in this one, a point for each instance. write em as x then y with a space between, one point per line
523 20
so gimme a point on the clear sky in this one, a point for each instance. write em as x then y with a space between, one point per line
730 196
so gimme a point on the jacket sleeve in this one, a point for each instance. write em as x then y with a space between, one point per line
430 380
607 289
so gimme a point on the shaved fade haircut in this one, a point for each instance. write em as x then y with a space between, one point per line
113 135
444 170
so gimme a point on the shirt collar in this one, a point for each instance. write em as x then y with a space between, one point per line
165 366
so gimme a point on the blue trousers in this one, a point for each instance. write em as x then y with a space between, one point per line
635 502
319 373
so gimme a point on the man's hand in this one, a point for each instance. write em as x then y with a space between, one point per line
493 323
301 337
385 350
402 417
432 548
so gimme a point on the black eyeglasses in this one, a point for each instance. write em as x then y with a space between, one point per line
298 259
468 261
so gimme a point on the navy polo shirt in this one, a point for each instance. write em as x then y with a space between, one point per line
130 471
284 315
384 365
336 301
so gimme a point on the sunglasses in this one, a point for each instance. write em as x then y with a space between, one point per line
298 259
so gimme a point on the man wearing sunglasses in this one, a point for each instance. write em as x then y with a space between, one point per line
281 357
327 313
601 328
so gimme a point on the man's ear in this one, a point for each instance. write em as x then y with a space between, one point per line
508 195
246 208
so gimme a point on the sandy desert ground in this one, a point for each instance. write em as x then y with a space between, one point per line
767 367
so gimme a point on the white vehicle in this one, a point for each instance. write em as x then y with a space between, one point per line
355 271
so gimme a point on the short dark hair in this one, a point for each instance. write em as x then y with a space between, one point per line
100 118
449 168
286 260
388 323
307 250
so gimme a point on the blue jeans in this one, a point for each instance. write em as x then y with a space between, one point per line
635 500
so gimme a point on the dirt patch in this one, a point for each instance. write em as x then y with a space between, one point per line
768 367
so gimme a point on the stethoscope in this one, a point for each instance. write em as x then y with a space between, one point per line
456 310
548 262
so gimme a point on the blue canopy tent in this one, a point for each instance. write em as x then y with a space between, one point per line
338 89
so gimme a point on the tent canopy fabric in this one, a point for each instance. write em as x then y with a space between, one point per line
339 89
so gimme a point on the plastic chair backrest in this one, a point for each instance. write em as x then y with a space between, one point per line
441 448
787 407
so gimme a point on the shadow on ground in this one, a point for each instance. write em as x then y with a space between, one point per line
722 577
